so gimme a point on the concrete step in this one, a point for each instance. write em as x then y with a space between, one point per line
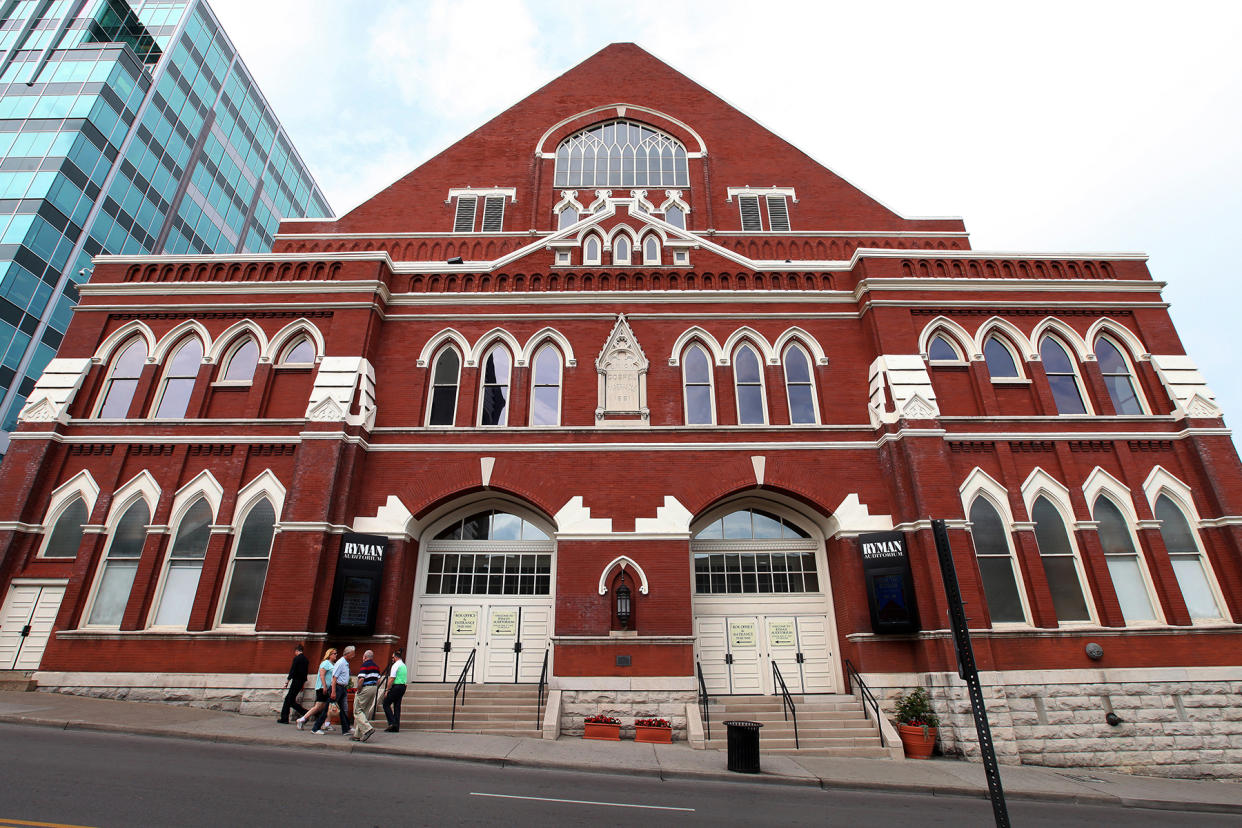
21 681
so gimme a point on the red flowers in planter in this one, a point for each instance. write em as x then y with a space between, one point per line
652 723
600 718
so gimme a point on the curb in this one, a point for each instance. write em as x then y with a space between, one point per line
861 786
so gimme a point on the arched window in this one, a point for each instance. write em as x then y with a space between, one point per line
122 381
1000 359
621 154
940 349
545 397
799 386
621 250
184 565
240 365
1118 377
1063 379
465 569
591 250
494 410
116 576
1188 562
1124 566
444 377
697 376
249 570
179 377
651 249
675 216
66 535
748 379
299 352
567 216
785 565
1060 563
996 566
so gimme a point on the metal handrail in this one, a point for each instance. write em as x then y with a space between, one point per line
867 697
704 702
778 681
460 687
543 682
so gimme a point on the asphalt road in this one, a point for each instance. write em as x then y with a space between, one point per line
55 777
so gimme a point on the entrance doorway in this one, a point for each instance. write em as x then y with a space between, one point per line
26 624
737 652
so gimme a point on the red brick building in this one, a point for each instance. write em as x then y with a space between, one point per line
622 328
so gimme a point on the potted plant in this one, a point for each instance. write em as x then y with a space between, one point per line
602 727
655 731
916 723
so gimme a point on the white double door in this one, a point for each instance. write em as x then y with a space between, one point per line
508 638
736 653
26 624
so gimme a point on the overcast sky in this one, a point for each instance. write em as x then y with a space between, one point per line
1048 127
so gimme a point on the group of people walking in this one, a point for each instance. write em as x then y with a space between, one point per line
332 687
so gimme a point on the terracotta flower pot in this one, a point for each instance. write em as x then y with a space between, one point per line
654 735
917 740
603 732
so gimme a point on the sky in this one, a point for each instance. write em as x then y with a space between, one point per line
1052 127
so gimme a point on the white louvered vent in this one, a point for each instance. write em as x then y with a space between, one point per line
749 206
778 213
493 214
464 222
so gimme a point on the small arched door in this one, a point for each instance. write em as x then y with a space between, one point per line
485 587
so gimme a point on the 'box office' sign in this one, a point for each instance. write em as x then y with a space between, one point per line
355 595
890 585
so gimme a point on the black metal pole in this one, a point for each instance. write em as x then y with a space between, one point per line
969 673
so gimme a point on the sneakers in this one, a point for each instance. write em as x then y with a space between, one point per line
317 732
301 724
328 728
368 734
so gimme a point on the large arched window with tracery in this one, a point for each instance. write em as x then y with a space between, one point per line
621 154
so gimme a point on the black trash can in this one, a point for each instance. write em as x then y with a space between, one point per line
743 746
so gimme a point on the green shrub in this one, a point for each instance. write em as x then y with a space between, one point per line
914 708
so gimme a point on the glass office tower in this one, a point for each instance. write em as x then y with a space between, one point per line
125 127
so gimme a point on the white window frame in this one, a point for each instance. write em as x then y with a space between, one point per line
1088 411
1062 509
169 358
761 194
628 259
1018 362
1006 519
810 364
659 249
1096 488
231 354
1160 482
166 565
265 486
560 385
507 384
1133 374
431 385
598 257
114 521
711 384
953 346
763 389
81 485
113 359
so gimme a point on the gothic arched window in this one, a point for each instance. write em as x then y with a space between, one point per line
799 386
1124 566
1118 377
251 553
1062 377
545 397
444 377
696 371
1189 564
996 564
122 382
621 154
178 382
494 410
1000 359
748 381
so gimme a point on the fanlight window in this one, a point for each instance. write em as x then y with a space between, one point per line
250 558
999 359
185 564
1188 563
483 574
492 525
116 576
996 565
750 524
621 154
67 533
1117 378
123 381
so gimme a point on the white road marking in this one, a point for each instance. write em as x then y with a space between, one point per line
583 802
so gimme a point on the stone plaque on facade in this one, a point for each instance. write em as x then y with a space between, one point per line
622 371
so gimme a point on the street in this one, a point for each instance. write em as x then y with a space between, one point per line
77 778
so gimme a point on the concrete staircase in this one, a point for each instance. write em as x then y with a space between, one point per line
497 709
19 680
828 725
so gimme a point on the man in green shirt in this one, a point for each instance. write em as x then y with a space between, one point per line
397 678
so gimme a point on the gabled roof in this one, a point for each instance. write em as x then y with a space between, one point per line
621 80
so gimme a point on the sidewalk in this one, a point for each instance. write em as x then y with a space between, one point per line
943 777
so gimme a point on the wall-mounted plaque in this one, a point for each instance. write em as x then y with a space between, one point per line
890 584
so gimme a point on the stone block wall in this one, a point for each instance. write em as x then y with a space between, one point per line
1176 722
253 694
626 705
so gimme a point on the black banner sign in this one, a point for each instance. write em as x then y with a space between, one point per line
890 585
355 595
